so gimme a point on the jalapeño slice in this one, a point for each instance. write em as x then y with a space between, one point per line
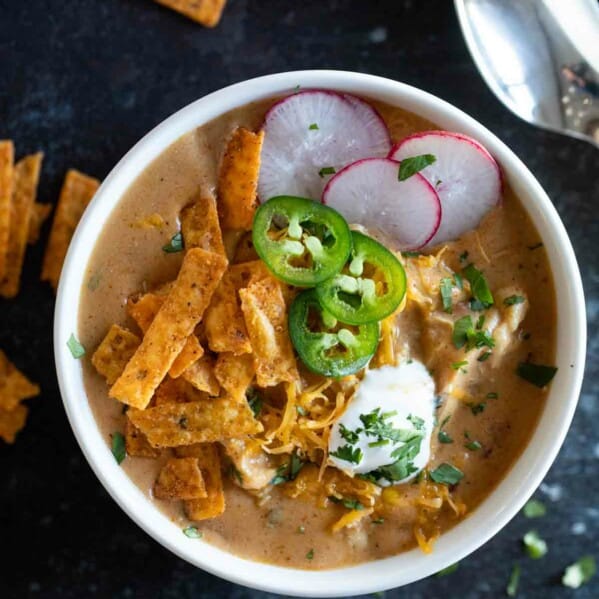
301 241
369 288
326 346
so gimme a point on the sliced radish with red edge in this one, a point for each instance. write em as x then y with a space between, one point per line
368 192
464 174
311 135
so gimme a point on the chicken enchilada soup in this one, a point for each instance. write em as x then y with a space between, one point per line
319 331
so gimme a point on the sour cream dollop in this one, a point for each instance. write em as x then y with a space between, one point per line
385 432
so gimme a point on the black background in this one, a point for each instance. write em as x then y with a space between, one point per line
83 80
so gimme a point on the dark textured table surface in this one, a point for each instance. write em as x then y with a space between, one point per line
83 80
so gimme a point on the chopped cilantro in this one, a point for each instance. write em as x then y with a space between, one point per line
313 127
301 410
444 437
537 374
118 447
473 445
414 164
348 454
535 546
478 285
77 350
514 299
175 244
445 288
534 509
480 322
326 170
477 408
350 436
458 365
94 281
411 254
449 570
310 554
484 356
192 532
464 256
350 504
580 572
236 474
446 474
255 400
512 584
289 470
476 305
459 282
464 334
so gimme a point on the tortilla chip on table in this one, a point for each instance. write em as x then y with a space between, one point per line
205 12
7 156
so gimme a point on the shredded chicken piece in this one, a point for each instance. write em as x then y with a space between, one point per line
252 464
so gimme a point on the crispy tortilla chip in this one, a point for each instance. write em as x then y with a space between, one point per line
174 424
7 157
180 478
114 352
234 373
39 214
205 12
11 422
199 276
192 351
244 250
136 443
208 459
26 177
224 323
76 193
175 391
238 179
143 310
201 375
265 316
14 385
200 226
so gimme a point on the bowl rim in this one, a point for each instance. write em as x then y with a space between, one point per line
504 501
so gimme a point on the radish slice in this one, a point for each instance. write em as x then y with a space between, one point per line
465 176
368 192
313 134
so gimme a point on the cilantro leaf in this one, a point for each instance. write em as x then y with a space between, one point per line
537 374
446 474
255 400
445 288
326 170
192 532
347 453
444 437
350 436
478 285
513 300
414 164
534 509
118 447
77 350
580 572
449 570
313 127
175 244
512 585
535 546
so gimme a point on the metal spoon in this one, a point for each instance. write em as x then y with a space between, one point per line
540 58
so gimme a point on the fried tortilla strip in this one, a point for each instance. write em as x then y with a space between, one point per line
11 422
204 421
205 12
234 373
26 177
238 179
192 351
116 349
14 385
143 311
7 157
175 391
201 375
76 193
200 226
224 323
265 315
39 214
208 459
244 250
136 443
180 478
182 310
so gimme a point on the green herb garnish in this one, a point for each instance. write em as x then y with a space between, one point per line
535 546
464 334
458 365
118 447
446 474
408 254
175 244
534 509
444 437
94 281
310 554
192 532
514 299
326 170
77 350
477 408
484 356
445 288
378 521
289 470
255 400
537 374
459 282
350 504
414 164
478 285
473 445
313 127
301 410
350 436
464 256
449 570
347 453
580 572
512 585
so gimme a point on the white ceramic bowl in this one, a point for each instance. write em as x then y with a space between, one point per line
494 512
